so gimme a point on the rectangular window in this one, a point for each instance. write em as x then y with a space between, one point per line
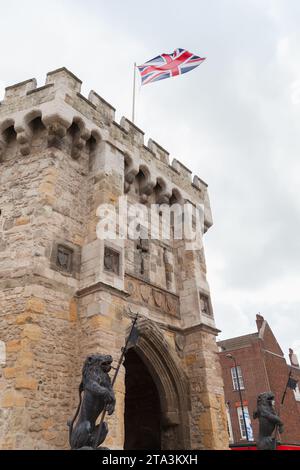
297 393
242 424
235 379
229 426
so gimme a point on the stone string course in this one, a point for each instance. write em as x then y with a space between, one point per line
61 156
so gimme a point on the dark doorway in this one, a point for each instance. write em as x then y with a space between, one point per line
142 406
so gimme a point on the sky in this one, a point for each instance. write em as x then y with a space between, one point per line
234 121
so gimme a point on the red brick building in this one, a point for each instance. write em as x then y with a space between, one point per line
261 367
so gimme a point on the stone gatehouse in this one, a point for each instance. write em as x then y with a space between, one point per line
65 293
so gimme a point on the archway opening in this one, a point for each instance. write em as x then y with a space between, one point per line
142 406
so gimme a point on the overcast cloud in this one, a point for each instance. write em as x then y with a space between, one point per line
234 121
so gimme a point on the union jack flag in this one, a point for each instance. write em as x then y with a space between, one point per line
168 65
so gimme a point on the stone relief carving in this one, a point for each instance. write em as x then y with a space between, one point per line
159 298
205 304
64 258
111 260
172 304
169 263
144 293
130 288
142 247
180 342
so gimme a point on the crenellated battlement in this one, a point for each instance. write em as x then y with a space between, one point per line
60 106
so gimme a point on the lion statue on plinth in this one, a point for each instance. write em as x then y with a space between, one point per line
95 396
268 420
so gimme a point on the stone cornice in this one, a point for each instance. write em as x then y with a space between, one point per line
202 327
99 286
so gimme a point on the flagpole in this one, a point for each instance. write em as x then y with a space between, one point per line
280 406
133 94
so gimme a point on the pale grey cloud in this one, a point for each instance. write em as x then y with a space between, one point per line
234 121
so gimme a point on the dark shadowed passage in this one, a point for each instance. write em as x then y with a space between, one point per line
142 406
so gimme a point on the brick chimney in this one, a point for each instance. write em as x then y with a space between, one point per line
259 321
293 358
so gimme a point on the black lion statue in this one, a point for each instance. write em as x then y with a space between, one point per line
268 420
95 395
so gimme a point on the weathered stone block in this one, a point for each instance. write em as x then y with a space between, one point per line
32 332
11 399
25 359
99 322
8 399
23 221
36 305
48 423
28 383
49 435
24 318
73 311
9 372
13 345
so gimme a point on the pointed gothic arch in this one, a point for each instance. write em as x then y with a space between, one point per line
171 383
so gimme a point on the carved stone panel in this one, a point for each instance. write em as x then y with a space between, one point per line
111 260
205 304
159 298
172 304
143 293
64 256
